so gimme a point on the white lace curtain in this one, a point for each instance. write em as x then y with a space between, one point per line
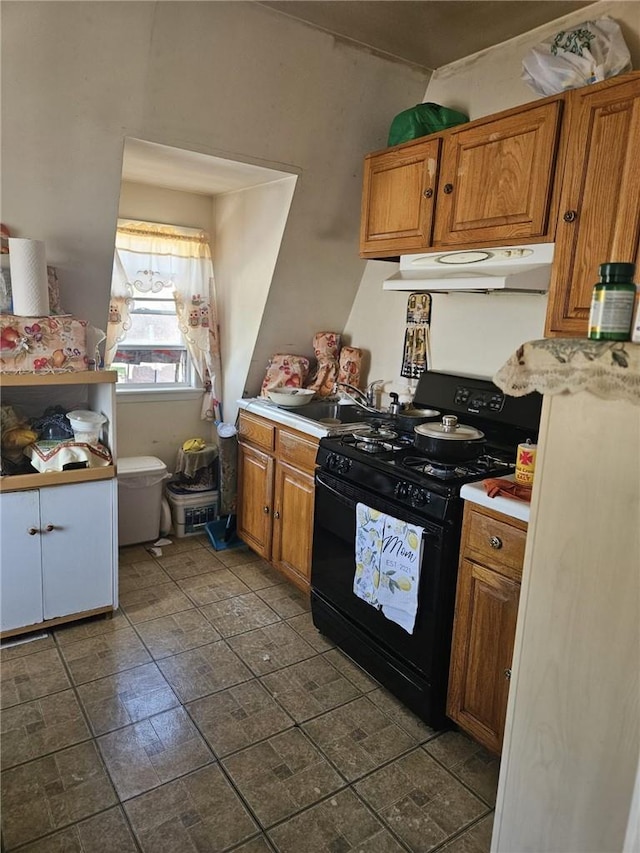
151 258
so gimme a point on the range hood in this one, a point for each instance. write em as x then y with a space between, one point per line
506 268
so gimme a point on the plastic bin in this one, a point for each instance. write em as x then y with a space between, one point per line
140 480
191 511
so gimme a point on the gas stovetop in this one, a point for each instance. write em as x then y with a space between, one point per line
379 456
397 450
396 454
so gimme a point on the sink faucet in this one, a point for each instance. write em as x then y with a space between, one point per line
360 398
372 388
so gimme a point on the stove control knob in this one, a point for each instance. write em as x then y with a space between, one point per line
419 497
402 491
337 463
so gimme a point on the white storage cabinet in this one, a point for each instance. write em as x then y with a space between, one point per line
57 553
58 542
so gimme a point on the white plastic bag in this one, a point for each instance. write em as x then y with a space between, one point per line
587 53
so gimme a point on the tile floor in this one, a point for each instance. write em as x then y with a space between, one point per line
209 715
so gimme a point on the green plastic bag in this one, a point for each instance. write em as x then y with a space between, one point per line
422 120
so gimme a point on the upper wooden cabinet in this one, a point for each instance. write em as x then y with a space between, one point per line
489 182
497 179
599 218
399 192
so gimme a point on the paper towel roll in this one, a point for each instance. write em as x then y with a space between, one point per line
29 285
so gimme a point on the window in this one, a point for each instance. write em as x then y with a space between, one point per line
162 331
154 351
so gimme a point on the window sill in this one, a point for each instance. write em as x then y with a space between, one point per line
156 395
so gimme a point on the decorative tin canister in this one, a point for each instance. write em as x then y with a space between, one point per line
525 463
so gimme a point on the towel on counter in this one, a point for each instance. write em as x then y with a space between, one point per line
388 559
507 489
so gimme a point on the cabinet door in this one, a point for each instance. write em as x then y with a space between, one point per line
483 639
399 191
599 218
496 179
255 497
20 561
293 523
77 543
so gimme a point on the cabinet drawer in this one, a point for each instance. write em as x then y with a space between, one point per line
296 450
257 431
495 542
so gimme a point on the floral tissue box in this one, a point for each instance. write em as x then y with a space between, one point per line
42 344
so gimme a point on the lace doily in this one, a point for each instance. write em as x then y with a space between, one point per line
608 369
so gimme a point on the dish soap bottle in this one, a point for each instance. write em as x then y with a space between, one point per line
612 303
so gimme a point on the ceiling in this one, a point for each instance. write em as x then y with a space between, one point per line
174 168
428 33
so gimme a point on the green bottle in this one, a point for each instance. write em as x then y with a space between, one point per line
612 303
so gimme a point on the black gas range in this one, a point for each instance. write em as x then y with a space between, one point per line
378 466
381 457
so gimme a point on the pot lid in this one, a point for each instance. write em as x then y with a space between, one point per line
374 435
449 429
419 413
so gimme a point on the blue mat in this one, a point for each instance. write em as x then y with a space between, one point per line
216 531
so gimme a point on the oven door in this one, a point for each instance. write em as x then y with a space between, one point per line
333 567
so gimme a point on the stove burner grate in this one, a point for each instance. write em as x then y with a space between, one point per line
483 465
374 446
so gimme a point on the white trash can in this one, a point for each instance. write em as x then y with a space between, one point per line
140 480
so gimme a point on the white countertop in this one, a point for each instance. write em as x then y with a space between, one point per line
477 494
287 417
474 492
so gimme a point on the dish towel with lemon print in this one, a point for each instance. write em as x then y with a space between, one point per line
388 559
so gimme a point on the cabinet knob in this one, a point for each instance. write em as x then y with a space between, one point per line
427 193
495 542
50 527
265 510
276 514
32 531
448 188
507 674
570 216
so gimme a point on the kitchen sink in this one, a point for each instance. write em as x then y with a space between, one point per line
334 415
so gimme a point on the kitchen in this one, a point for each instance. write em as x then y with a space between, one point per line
333 291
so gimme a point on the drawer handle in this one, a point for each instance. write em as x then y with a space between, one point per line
265 510
428 192
32 531
570 216
507 674
495 542
276 514
448 189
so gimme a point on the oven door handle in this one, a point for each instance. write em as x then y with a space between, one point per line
351 502
335 492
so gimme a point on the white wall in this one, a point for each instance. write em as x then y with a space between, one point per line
172 207
231 79
471 333
249 228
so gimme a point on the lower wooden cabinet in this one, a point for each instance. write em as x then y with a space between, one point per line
255 499
276 495
59 554
488 591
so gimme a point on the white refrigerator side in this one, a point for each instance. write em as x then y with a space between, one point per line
572 742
